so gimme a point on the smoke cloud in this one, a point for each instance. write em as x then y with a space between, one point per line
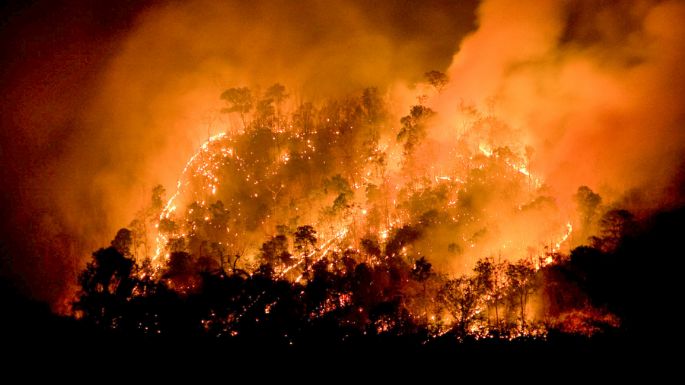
593 88
585 93
102 104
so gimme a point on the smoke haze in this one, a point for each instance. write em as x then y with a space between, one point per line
101 103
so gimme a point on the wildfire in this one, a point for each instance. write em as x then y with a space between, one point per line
564 238
202 163
518 167
200 178
385 215
399 205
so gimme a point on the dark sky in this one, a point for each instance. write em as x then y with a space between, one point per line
58 58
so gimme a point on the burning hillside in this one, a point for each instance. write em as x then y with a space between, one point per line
343 168
270 178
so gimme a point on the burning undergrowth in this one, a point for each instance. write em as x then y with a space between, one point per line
330 215
492 200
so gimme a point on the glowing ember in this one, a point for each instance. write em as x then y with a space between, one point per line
477 203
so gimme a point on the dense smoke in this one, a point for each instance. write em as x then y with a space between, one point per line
103 102
584 93
594 89
581 93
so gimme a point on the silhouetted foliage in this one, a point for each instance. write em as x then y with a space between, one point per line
522 284
404 236
239 100
437 79
305 238
460 296
490 281
422 270
349 299
107 284
413 128
371 247
342 283
588 204
123 241
614 225
275 251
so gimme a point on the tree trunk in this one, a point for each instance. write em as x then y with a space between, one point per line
496 315
425 305
523 313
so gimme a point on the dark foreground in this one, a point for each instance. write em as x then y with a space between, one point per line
31 333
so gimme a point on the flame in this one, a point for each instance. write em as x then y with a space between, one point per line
564 238
200 182
485 149
199 166
202 170
520 168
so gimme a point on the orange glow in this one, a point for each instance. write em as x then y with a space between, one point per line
331 125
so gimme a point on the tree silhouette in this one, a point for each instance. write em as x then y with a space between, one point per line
588 203
614 225
275 251
402 237
374 110
240 100
303 118
421 272
413 128
182 271
106 285
157 201
305 238
522 284
277 94
305 241
123 241
333 168
149 215
110 273
461 298
437 79
490 282
265 113
371 248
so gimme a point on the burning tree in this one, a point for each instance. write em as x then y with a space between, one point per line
239 100
490 279
462 299
522 284
379 217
